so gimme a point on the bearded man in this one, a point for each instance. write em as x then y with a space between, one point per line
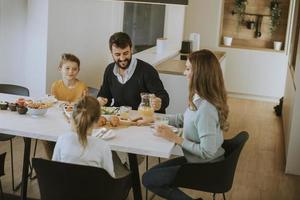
127 77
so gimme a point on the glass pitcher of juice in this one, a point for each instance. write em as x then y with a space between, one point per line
145 109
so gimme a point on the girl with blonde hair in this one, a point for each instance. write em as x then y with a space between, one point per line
203 123
81 147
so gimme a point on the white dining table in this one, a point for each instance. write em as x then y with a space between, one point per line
132 140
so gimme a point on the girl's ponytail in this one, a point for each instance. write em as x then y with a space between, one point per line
86 113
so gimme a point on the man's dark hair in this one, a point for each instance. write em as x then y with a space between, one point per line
120 39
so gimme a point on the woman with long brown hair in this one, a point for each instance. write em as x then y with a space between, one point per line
203 122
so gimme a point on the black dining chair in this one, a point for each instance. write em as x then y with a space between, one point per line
65 181
15 90
214 177
2 161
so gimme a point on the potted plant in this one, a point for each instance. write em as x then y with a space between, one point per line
240 8
275 15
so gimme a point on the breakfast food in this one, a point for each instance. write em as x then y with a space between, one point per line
12 106
69 108
114 121
102 121
37 105
20 102
3 105
29 101
22 110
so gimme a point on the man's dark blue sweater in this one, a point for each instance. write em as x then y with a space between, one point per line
144 79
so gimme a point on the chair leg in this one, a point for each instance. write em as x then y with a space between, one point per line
12 165
17 187
214 196
224 197
35 146
14 187
1 190
33 156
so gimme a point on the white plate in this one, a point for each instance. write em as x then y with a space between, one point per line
109 135
110 110
173 128
103 133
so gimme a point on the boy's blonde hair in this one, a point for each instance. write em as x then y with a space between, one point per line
69 57
86 113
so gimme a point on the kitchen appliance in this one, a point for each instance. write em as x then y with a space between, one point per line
195 39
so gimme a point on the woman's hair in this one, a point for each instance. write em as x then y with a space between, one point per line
69 57
207 81
86 113
120 39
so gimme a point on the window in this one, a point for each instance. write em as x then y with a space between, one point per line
144 23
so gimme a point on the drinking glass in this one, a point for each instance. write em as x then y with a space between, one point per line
124 112
161 120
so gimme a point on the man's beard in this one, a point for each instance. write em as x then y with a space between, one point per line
121 66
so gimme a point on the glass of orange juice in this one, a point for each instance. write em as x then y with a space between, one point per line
124 112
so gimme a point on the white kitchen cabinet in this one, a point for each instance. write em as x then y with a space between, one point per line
177 88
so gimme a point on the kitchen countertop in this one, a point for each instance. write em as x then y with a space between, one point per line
169 61
176 66
150 56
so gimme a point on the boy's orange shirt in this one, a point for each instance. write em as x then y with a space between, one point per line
64 93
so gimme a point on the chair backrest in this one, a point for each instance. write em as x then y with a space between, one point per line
14 89
64 181
93 91
2 161
216 177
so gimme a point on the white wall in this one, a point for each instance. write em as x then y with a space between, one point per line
34 34
249 73
36 46
84 30
12 41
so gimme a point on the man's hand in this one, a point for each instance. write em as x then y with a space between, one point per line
103 101
155 103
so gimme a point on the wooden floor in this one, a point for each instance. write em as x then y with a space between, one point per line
260 172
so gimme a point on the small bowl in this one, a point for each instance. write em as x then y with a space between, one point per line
22 110
12 106
3 105
37 111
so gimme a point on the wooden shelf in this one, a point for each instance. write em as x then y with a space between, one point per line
257 38
251 48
